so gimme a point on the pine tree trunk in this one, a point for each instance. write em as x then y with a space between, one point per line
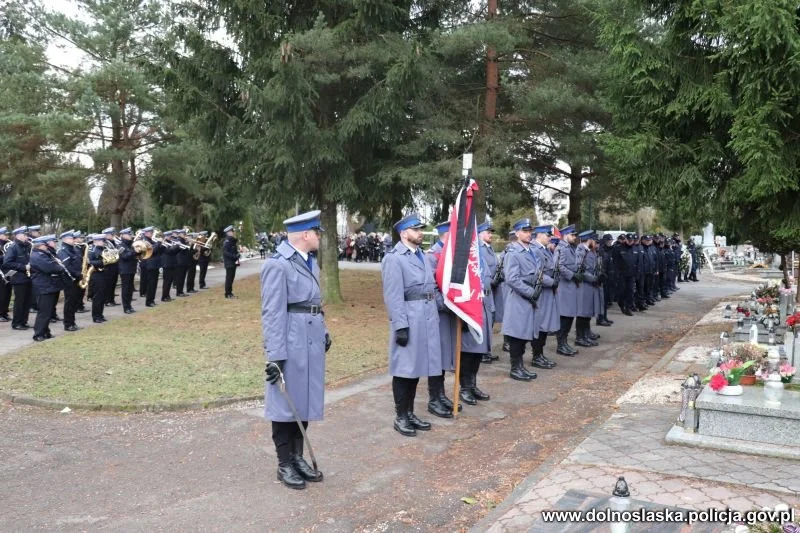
397 214
329 253
575 183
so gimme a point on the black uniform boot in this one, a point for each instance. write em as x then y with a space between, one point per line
539 360
566 326
465 381
415 421
516 370
402 424
305 470
506 346
562 347
602 320
581 338
289 476
436 406
476 392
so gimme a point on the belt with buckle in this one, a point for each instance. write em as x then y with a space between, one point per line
304 308
424 296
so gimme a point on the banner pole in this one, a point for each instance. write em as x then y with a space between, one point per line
457 371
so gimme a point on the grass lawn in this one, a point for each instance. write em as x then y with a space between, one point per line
192 349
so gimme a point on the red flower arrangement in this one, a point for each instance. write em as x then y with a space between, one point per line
728 373
742 310
793 321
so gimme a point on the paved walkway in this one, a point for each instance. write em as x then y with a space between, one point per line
631 444
13 340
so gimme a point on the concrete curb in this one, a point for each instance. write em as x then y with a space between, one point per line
46 403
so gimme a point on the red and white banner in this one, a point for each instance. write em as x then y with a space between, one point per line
459 270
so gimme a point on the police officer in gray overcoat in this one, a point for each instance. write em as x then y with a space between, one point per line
499 288
548 319
472 352
295 340
587 291
570 272
410 295
523 287
489 263
438 402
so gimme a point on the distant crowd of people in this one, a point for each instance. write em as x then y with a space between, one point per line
364 247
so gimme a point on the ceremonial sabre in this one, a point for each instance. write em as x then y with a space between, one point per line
293 409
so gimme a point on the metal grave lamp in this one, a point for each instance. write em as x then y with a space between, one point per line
726 313
771 338
690 390
740 326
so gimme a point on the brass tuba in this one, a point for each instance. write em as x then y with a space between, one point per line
209 244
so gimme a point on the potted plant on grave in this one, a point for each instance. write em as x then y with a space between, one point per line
787 372
725 379
744 352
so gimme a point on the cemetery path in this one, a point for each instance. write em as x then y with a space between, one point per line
215 470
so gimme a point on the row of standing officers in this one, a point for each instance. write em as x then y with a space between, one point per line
35 271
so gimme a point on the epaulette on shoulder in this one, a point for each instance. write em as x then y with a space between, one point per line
275 255
393 250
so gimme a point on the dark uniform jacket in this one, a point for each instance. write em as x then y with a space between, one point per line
46 274
169 259
127 258
183 257
230 251
17 258
628 261
72 258
154 263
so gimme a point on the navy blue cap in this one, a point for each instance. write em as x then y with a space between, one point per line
443 227
3 230
646 237
40 240
203 233
148 228
77 234
408 222
486 226
126 231
98 237
569 229
110 230
168 233
302 222
34 228
512 233
608 237
544 229
555 240
21 229
635 236
65 235
523 224
182 231
622 236
230 228
587 234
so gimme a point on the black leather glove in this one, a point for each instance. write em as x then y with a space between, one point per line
274 371
401 336
328 342
577 277
555 284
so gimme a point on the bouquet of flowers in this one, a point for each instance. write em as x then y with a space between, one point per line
787 372
766 300
793 321
768 291
740 309
744 352
729 372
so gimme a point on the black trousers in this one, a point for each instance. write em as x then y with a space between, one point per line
143 272
180 278
113 276
404 391
99 286
71 302
628 288
5 298
127 290
203 272
640 296
288 440
47 303
230 273
516 347
169 278
152 284
22 303
34 300
81 295
191 274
